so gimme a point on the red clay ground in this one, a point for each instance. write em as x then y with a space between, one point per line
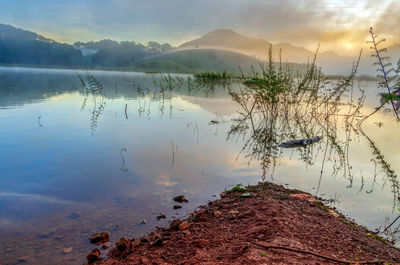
234 229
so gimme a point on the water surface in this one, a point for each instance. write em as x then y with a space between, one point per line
72 164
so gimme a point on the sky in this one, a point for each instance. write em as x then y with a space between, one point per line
337 25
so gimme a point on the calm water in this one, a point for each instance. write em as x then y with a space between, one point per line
72 164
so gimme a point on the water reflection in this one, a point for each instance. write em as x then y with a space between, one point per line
153 140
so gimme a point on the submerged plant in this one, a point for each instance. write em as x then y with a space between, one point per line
94 89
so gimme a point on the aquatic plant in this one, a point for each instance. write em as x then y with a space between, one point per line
385 68
213 76
278 105
94 89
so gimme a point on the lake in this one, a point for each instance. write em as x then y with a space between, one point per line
73 163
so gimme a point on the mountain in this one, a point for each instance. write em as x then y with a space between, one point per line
219 50
19 46
22 47
330 62
8 32
226 39
230 40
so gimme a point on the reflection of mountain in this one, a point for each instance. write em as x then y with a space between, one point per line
197 60
21 86
201 60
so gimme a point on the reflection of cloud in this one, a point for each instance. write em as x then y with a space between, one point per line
5 222
219 106
165 180
35 197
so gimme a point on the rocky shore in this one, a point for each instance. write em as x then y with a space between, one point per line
262 224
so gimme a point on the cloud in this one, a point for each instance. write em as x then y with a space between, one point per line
302 22
388 22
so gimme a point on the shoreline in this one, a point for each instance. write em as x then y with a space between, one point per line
362 77
261 224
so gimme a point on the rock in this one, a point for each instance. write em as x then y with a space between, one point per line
166 236
301 142
303 196
106 245
143 222
99 238
122 244
174 226
233 212
180 199
245 195
333 213
67 250
157 242
161 216
201 215
94 256
144 240
217 214
177 207
184 225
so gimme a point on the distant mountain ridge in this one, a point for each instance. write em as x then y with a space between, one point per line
329 61
231 40
23 47
8 32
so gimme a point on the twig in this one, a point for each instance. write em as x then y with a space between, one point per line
397 218
383 71
320 255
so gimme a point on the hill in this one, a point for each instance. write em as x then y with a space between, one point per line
19 46
227 39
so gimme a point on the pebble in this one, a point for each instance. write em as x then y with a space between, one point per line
106 245
157 242
175 224
93 256
143 222
67 250
161 216
180 199
217 214
100 237
184 225
122 244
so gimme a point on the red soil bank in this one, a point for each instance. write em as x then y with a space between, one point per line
271 226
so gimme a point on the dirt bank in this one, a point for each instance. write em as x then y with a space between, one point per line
266 224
